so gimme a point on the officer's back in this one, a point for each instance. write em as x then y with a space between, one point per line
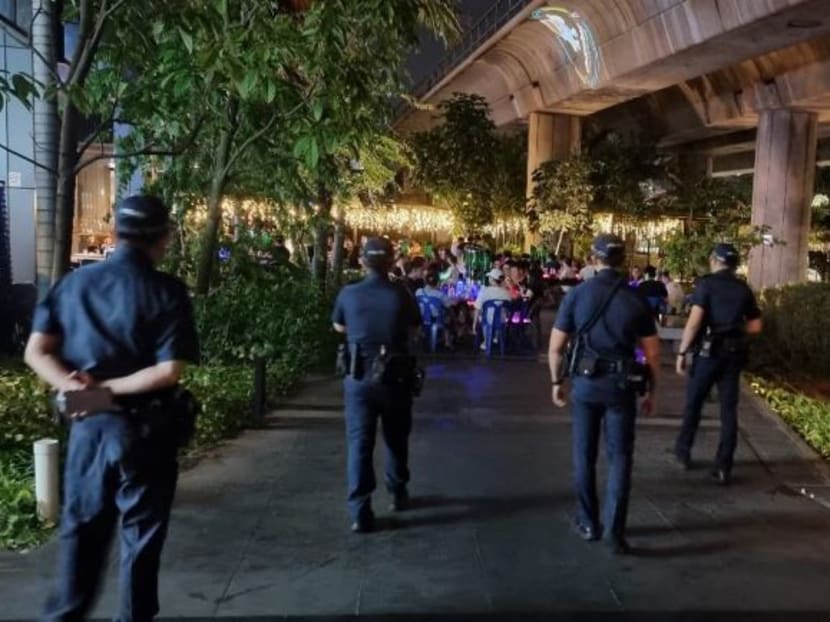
377 312
377 316
615 334
114 314
726 300
118 335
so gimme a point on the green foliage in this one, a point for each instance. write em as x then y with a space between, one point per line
467 165
256 311
24 418
25 413
17 86
796 336
562 195
809 416
225 394
20 528
621 171
686 253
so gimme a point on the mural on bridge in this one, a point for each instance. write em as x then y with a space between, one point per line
576 39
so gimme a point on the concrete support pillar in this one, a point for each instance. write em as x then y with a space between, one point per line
550 137
784 183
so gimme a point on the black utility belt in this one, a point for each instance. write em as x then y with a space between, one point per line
630 374
380 367
713 346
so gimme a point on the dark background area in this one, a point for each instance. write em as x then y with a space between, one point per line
432 50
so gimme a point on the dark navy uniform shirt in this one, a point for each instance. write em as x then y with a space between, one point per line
616 334
377 312
727 303
119 316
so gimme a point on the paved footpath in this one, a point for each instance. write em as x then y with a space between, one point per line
259 529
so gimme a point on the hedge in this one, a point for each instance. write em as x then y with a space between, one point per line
796 338
810 417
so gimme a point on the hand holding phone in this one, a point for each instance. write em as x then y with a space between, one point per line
81 403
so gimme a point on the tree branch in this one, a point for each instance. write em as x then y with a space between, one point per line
149 150
90 47
87 142
27 159
247 143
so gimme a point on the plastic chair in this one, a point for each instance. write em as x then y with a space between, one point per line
432 318
493 324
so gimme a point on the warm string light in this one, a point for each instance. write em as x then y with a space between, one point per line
643 230
410 219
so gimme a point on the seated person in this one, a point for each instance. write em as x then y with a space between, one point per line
654 291
431 290
494 291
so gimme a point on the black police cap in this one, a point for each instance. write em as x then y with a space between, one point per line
378 249
142 216
608 245
727 254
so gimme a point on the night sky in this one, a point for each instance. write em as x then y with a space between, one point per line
432 51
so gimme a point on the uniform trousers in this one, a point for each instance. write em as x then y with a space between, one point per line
366 403
120 471
616 418
725 372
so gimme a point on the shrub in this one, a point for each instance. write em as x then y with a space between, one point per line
25 413
20 528
276 314
225 395
796 336
808 416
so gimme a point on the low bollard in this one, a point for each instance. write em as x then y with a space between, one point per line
47 491
260 397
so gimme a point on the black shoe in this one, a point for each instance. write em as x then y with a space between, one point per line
617 545
364 525
721 477
586 532
683 459
400 502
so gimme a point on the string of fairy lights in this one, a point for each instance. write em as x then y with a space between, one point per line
419 220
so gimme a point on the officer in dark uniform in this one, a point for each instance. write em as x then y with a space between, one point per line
378 318
724 312
122 329
604 321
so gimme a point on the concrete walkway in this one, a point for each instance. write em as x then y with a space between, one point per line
260 530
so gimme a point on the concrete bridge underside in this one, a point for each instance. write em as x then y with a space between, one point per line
719 77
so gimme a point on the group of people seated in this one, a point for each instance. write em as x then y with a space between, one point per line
459 299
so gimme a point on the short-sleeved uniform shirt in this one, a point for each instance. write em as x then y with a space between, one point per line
616 334
377 312
727 303
119 316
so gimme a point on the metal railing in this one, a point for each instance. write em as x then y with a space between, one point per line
501 12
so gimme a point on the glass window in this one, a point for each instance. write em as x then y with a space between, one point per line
17 12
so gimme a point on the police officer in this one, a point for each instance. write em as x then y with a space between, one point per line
124 328
724 311
378 318
604 321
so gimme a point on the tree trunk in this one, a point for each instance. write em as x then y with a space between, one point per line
321 235
559 242
339 238
65 195
214 216
46 141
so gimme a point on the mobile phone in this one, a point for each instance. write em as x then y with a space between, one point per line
87 401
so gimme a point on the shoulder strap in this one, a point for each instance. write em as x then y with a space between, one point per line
600 311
